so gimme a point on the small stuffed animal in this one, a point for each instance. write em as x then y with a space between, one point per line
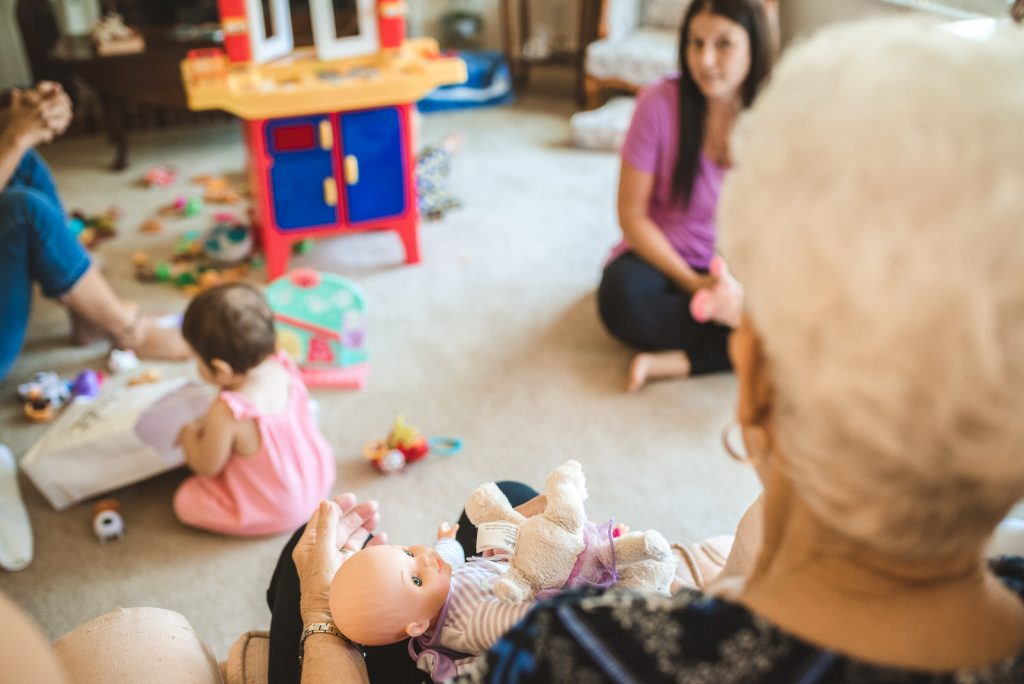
721 303
550 543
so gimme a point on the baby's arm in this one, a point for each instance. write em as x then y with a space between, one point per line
447 547
209 441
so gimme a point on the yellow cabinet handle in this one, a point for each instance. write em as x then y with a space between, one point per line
330 192
351 169
326 135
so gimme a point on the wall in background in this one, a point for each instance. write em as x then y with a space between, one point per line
559 15
13 63
803 17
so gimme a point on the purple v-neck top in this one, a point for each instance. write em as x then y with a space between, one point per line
651 146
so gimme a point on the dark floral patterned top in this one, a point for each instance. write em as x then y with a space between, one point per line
588 637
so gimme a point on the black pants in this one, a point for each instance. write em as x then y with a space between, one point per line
642 307
387 664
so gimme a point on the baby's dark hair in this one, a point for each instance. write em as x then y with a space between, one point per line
233 323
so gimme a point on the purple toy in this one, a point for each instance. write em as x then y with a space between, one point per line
87 384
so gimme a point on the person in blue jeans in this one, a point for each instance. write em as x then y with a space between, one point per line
37 247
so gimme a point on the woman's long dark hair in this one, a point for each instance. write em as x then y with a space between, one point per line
692 104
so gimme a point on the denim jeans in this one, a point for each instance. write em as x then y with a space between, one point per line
35 247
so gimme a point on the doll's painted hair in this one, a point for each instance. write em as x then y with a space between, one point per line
233 323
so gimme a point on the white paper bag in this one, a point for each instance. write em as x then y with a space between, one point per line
123 436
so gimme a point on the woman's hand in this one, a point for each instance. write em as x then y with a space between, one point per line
337 529
699 282
25 126
55 106
37 116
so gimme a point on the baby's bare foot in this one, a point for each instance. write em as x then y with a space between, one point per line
647 366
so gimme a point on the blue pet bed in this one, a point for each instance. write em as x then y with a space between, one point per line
489 82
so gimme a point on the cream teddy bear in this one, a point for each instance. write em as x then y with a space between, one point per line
549 546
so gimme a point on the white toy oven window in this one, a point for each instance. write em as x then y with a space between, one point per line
266 47
329 45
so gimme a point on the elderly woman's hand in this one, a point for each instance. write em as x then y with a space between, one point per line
337 529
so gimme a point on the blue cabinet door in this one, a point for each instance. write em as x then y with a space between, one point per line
374 164
302 184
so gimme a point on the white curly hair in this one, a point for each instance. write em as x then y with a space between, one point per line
875 215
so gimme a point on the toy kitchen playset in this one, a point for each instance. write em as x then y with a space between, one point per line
328 128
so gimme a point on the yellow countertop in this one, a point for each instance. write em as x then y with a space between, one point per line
301 84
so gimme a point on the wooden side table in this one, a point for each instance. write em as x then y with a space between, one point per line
514 16
151 78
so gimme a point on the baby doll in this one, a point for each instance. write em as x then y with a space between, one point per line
261 464
384 594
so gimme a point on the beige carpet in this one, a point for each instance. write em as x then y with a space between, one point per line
493 338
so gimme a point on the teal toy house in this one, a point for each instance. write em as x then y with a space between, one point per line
321 324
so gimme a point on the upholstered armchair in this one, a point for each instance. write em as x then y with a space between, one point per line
640 45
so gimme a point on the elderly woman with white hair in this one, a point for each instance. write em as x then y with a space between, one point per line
876 217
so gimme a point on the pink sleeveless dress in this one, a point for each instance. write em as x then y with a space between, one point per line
274 490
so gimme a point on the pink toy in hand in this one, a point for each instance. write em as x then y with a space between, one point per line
723 301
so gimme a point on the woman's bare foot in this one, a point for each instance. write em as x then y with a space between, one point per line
150 340
656 366
92 299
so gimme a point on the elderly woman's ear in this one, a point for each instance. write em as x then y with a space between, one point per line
753 405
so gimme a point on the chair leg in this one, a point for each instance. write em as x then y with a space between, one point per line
592 91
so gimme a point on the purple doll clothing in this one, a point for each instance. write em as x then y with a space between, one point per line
651 146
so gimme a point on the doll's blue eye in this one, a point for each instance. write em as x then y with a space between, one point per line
408 553
417 581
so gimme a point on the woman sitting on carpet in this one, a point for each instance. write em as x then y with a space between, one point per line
674 159
39 248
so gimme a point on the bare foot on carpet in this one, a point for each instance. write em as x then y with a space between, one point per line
647 366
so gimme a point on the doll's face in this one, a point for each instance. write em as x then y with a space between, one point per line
384 593
423 578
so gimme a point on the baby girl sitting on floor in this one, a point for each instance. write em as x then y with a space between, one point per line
261 463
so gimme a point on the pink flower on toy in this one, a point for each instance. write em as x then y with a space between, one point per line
723 301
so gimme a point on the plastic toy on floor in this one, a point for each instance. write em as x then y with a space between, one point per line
404 445
200 261
228 243
433 166
107 522
721 303
159 176
217 189
321 324
38 408
46 385
90 230
87 384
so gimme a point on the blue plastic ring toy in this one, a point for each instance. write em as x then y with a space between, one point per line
444 446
